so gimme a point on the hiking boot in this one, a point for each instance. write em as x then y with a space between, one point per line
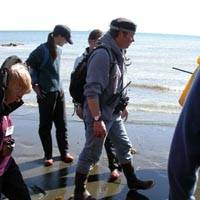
142 185
133 182
83 196
80 191
48 162
67 158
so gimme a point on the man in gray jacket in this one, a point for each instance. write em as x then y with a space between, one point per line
101 118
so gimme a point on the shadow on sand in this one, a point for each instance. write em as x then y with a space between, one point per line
44 181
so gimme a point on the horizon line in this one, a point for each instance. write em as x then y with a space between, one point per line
161 33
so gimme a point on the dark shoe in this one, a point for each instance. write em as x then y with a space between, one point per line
86 197
67 158
142 185
48 162
80 191
83 196
133 182
115 174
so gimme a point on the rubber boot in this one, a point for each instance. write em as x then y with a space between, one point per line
133 182
80 191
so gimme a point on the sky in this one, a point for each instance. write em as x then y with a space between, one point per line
151 16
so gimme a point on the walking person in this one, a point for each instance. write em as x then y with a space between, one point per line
44 63
15 81
113 162
100 117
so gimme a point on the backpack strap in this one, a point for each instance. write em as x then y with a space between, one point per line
110 53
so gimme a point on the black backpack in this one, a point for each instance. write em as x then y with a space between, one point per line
78 76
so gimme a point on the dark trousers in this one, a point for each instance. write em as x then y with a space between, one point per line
12 184
113 162
52 110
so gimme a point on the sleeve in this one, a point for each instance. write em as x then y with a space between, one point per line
34 61
97 73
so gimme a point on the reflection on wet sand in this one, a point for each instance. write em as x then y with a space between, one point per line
57 181
49 183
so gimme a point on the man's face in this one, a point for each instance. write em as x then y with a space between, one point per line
125 39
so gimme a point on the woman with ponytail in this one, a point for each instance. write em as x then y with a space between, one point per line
44 63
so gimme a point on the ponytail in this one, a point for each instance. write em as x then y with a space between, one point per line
51 46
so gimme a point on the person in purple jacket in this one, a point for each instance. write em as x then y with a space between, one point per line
15 81
184 156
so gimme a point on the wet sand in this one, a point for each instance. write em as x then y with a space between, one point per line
152 143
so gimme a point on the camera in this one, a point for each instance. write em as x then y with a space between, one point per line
121 105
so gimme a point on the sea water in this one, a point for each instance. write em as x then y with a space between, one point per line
155 86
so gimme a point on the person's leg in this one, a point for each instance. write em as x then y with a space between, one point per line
182 170
113 162
46 109
123 147
60 120
89 156
13 186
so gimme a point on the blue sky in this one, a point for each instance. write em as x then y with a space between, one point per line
157 16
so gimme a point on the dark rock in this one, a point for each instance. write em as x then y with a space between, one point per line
11 44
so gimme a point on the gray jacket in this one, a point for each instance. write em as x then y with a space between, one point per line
102 81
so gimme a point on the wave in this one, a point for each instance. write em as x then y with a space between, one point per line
146 122
144 107
137 122
152 107
156 87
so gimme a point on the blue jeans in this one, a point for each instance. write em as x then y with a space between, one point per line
113 162
93 145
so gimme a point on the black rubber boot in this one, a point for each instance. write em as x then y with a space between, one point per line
133 182
80 191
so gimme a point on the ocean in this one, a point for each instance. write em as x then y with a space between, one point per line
155 86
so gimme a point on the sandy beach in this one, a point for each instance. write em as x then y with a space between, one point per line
152 143
153 114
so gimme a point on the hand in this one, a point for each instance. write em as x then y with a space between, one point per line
124 114
79 112
99 128
38 91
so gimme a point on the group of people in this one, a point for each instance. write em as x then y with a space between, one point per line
104 124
